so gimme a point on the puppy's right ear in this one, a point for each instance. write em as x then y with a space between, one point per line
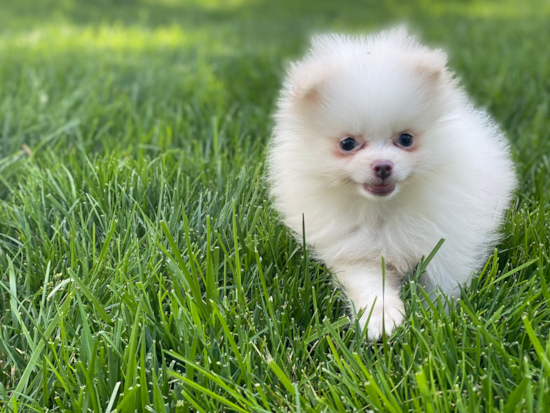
429 65
306 80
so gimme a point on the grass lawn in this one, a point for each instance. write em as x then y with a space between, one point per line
141 267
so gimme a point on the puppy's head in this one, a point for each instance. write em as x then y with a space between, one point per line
362 110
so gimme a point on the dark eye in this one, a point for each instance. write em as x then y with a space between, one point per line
348 144
405 140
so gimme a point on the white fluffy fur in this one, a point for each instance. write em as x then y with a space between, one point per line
455 184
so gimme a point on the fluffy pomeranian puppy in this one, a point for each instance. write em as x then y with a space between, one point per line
378 152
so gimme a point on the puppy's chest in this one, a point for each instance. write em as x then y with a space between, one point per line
396 241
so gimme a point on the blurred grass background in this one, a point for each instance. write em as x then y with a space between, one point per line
140 265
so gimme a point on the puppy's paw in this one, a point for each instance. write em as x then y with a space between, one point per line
386 316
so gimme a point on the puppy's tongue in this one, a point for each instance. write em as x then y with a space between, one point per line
380 189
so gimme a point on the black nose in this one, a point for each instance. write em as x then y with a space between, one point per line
382 169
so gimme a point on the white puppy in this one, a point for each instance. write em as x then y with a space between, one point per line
378 151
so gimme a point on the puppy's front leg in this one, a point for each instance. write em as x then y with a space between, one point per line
368 289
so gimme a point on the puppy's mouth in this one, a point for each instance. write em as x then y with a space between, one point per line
382 189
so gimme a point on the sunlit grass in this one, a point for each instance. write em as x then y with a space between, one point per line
141 266
109 38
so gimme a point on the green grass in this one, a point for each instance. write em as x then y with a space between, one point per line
141 267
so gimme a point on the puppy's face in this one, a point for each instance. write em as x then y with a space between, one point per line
376 168
366 118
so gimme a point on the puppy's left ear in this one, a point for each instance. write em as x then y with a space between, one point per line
306 79
429 65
